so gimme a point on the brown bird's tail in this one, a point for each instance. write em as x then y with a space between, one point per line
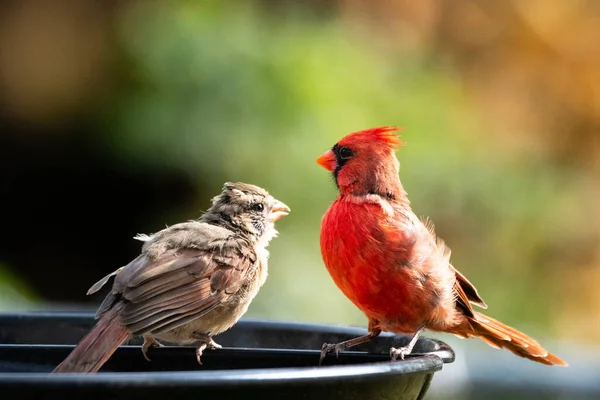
498 335
97 346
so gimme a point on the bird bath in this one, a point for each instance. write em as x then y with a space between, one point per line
262 359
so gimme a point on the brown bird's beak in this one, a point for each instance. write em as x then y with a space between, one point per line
327 161
278 211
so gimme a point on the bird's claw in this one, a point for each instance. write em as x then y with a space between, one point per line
211 344
400 352
329 347
199 351
214 345
149 342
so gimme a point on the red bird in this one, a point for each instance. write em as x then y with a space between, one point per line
390 264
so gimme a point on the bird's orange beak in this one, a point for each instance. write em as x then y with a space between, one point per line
327 161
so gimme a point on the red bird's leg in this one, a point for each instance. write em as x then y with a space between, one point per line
149 341
406 350
345 345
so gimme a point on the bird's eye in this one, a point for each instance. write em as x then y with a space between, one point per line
345 153
258 207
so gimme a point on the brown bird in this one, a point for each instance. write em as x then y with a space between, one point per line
391 264
191 282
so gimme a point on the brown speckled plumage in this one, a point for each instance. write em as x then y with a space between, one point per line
192 281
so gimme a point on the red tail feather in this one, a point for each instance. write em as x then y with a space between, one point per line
498 335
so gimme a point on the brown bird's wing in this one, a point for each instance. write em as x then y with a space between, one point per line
98 285
466 294
162 293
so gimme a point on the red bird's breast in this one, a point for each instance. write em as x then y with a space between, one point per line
367 251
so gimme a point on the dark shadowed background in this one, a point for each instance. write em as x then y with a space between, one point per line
121 117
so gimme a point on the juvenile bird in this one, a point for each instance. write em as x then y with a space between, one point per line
191 282
390 264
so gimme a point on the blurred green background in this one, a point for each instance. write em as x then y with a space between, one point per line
121 117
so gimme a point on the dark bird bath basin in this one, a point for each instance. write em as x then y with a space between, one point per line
259 359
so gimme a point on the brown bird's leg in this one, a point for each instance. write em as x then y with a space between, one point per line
406 350
205 342
342 346
149 341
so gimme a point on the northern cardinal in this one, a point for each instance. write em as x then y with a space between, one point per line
390 264
192 281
